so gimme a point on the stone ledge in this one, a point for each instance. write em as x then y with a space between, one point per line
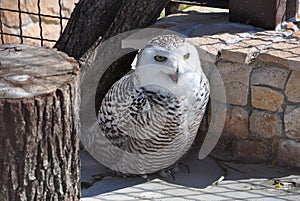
267 47
236 42
247 48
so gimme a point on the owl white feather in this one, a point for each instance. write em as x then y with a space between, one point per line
149 118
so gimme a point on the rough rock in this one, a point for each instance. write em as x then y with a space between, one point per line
270 76
251 150
11 19
9 39
266 98
47 7
288 153
236 81
293 87
265 125
236 124
292 122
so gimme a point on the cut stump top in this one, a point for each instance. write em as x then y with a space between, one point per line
27 71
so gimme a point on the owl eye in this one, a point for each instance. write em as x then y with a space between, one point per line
186 56
160 58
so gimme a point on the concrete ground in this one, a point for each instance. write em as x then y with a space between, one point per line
204 182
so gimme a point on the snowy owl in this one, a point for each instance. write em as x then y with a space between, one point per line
149 118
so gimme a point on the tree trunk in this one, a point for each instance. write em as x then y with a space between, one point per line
135 14
39 125
89 20
94 19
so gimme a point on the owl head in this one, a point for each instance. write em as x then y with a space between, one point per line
170 62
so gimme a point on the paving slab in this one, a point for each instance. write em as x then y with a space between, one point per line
242 182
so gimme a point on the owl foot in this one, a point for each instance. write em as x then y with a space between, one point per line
113 173
170 171
167 172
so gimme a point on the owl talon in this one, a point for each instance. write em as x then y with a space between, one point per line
172 173
167 172
146 177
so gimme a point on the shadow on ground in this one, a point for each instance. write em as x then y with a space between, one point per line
243 181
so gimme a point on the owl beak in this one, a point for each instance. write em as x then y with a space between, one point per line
174 77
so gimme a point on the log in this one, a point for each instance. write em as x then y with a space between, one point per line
266 14
39 124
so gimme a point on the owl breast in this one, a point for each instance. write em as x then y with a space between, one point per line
146 129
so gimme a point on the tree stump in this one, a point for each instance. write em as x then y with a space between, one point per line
39 124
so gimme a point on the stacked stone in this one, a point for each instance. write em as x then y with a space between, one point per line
261 75
30 23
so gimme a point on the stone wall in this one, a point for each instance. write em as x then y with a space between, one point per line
30 23
261 75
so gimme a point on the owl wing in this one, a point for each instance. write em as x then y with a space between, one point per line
198 106
115 111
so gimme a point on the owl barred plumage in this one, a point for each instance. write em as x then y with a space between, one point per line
149 118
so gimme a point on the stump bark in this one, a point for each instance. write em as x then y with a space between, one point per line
39 124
